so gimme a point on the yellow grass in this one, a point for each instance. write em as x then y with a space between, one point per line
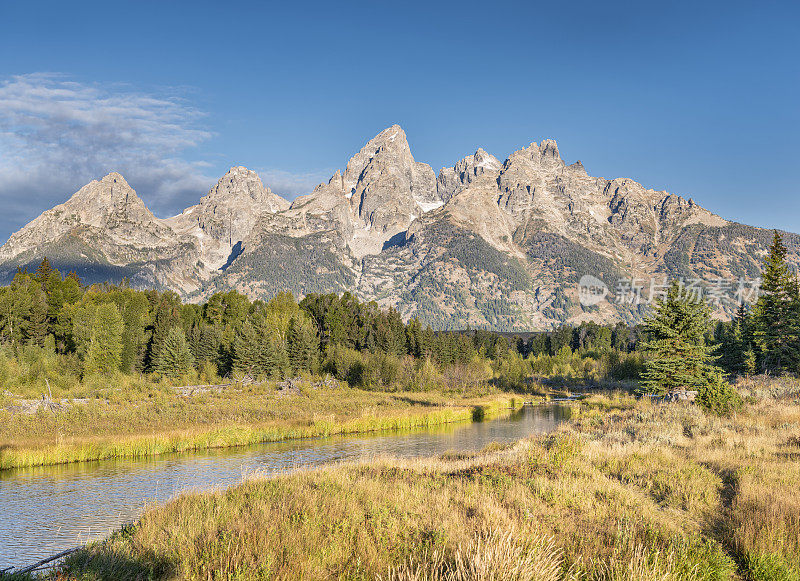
626 491
170 423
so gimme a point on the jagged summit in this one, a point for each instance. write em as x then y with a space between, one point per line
111 189
486 160
487 243
114 177
380 192
578 167
387 183
239 183
109 204
226 214
464 172
392 138
544 154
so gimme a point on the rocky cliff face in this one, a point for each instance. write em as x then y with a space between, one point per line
105 232
485 244
226 215
452 180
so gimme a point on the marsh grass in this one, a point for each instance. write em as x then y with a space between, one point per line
626 491
167 422
496 555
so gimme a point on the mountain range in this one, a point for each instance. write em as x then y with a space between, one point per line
483 244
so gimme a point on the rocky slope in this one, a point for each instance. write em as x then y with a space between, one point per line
485 243
226 215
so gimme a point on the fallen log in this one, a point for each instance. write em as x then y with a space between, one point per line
35 566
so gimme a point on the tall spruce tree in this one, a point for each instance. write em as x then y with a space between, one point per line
732 345
174 357
166 309
245 350
776 315
38 323
98 329
678 355
302 343
43 271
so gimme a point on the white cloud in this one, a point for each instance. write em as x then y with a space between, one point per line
57 134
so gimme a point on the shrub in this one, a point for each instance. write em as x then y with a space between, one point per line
717 396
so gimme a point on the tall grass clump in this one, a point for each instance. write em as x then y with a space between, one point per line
495 555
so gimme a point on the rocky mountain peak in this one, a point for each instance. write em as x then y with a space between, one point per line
464 172
109 198
390 142
226 214
240 182
114 177
109 205
577 167
549 149
486 160
337 182
544 155
488 244
386 185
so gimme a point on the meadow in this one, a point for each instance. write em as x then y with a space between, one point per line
163 420
626 490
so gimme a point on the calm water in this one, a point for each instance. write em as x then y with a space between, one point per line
49 509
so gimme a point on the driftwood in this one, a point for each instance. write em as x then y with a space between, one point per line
35 566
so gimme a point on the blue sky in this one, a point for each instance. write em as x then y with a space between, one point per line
698 98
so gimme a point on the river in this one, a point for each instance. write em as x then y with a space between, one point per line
46 510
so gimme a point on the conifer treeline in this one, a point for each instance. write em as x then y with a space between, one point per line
683 354
109 328
765 337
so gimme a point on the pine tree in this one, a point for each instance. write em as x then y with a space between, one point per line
559 338
43 271
174 357
38 323
678 354
245 356
414 338
302 343
166 316
209 344
738 357
776 317
272 359
731 347
135 311
104 326
15 305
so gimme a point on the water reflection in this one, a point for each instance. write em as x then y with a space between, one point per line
48 509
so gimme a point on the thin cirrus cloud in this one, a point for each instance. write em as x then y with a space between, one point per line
57 134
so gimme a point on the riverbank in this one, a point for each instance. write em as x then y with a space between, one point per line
626 490
170 422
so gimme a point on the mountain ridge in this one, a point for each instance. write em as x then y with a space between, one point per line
483 243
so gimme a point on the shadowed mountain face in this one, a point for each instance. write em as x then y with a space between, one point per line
491 244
